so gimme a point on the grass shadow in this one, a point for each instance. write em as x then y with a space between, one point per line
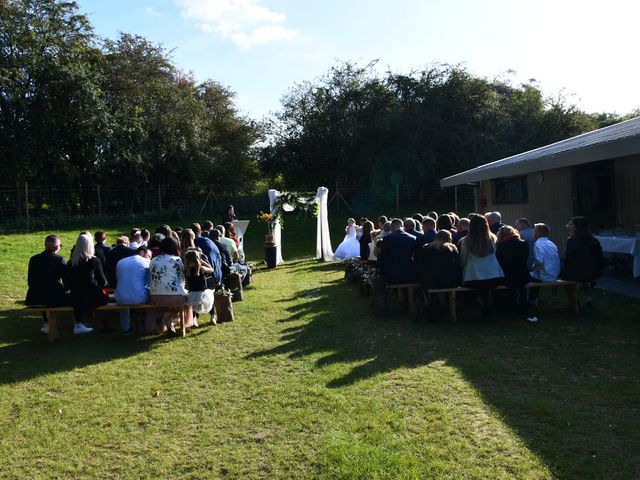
567 377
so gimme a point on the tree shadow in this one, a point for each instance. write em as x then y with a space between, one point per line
565 377
25 354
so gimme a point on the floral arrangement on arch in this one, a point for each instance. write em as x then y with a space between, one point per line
288 202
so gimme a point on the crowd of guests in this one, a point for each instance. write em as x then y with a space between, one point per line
479 252
174 268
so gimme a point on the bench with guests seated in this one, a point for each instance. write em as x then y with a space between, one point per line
424 266
158 277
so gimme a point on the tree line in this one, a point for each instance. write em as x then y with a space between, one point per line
77 109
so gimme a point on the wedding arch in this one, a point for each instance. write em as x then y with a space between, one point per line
288 202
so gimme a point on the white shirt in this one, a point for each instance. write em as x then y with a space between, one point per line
132 274
546 267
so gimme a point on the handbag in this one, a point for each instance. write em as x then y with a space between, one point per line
223 306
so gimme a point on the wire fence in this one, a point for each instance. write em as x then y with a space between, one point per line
31 207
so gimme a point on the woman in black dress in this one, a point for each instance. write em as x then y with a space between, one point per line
439 267
365 240
86 280
512 254
583 260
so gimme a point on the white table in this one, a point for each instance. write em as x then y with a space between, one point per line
623 244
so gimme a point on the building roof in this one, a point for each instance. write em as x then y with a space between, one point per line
617 140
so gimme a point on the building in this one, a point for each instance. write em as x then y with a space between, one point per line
596 174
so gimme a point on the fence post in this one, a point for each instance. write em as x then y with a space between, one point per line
159 197
26 202
99 202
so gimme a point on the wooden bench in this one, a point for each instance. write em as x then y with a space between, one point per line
410 290
52 313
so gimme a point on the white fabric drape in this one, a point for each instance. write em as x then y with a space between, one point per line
277 230
323 239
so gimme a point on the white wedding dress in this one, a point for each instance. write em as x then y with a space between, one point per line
350 246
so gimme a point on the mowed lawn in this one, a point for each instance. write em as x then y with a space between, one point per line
308 383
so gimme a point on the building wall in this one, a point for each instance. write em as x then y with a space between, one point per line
550 202
627 190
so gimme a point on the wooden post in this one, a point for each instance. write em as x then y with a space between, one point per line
53 326
452 307
26 202
99 202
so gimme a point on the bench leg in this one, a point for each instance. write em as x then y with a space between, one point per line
411 298
452 306
183 322
572 293
53 326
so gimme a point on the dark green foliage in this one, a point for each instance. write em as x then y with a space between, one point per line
358 128
79 110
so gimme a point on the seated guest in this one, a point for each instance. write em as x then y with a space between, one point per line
372 258
454 220
86 281
210 250
439 265
462 230
546 263
230 232
136 241
419 218
381 221
495 221
117 253
512 254
583 260
365 240
429 229
444 223
396 255
165 230
46 279
101 243
433 215
167 288
225 257
409 225
229 214
206 228
526 233
145 235
132 274
154 244
231 245
200 296
134 231
480 268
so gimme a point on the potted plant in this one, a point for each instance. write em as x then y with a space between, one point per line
270 247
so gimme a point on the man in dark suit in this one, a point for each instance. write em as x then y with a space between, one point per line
396 255
45 278
429 230
113 256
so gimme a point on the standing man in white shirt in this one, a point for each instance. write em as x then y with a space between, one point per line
133 284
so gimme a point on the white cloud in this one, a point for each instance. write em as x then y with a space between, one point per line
152 12
247 23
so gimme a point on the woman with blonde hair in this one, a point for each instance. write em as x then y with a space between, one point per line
86 280
480 268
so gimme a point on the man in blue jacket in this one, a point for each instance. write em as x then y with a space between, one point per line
210 250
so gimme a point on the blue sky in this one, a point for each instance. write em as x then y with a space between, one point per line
260 48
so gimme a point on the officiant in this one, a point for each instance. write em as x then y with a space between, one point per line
229 214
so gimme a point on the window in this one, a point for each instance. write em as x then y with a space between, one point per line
511 190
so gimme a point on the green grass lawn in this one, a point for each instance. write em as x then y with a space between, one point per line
307 383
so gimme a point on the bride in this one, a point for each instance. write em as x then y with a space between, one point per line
350 246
